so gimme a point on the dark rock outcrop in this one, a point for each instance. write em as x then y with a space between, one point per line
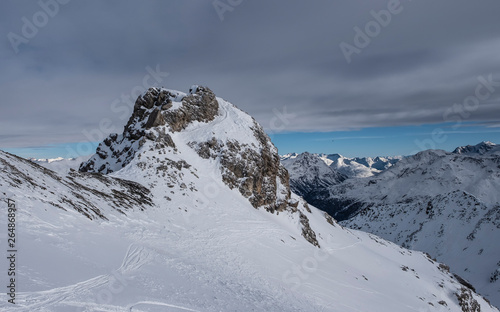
152 111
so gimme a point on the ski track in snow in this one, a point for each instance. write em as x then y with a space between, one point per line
35 301
131 307
136 256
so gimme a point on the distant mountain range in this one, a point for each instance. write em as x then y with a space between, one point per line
357 167
447 204
59 164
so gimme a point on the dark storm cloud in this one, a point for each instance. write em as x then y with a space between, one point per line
270 58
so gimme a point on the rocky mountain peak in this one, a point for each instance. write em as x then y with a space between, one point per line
157 113
159 107
170 132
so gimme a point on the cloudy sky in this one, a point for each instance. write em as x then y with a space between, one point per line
355 77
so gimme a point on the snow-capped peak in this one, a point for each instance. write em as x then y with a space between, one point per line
47 160
288 156
482 148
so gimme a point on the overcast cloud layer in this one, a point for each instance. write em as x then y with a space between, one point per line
264 56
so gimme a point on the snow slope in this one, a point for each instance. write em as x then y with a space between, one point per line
194 236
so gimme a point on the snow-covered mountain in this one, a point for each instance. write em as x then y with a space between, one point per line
311 177
446 204
60 165
482 148
359 167
190 210
355 167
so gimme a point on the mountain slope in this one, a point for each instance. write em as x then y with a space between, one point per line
446 204
218 228
94 196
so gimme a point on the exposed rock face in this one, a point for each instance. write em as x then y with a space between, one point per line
256 173
467 301
152 111
201 105
307 232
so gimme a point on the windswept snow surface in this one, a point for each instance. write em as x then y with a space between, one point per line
199 245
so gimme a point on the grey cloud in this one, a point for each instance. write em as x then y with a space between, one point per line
266 56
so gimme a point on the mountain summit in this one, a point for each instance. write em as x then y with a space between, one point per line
215 129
